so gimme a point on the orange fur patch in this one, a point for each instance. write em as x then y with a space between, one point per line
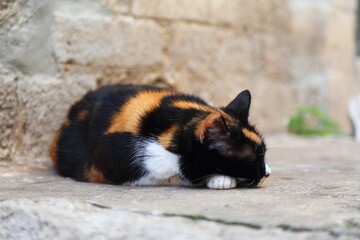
252 136
165 139
53 147
128 119
192 105
175 180
66 123
204 124
82 116
55 141
229 118
96 176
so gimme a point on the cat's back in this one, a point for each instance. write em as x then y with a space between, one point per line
121 108
99 106
114 94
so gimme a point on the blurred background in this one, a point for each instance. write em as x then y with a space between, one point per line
291 54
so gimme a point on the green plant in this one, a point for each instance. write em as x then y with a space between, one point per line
312 121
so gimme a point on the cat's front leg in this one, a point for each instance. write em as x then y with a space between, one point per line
220 182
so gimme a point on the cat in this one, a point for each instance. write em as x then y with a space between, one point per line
144 135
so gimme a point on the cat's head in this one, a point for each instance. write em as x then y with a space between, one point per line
233 146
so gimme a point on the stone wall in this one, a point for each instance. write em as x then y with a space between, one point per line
322 62
52 52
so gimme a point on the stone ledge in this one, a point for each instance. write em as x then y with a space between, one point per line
56 218
309 196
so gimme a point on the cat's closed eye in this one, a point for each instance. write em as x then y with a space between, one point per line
239 152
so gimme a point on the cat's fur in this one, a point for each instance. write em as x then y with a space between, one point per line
145 135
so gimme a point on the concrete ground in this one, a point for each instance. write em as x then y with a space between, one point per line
313 193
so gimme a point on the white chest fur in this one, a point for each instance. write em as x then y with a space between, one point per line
159 164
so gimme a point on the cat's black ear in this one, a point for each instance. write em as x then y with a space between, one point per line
213 130
241 105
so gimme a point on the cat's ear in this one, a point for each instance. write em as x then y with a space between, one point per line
241 105
212 129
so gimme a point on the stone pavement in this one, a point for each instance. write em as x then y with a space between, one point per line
313 193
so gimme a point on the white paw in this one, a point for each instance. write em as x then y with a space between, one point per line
220 182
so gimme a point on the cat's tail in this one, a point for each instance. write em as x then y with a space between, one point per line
69 150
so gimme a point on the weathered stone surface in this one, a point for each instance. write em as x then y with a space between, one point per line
43 104
341 69
250 15
240 14
198 10
308 42
24 219
322 73
91 39
8 112
210 55
25 29
311 194
216 59
132 43
272 104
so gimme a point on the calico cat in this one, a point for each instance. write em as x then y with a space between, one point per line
145 135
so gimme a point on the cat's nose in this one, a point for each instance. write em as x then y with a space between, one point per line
267 170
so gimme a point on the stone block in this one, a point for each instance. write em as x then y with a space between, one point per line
241 14
272 105
340 67
207 50
43 105
194 45
193 52
106 41
249 15
235 12
25 34
218 64
8 112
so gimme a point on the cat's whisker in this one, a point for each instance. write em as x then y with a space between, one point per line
219 169
241 180
245 182
250 184
275 130
256 146
201 178
273 146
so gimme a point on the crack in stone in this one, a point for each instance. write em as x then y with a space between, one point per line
289 228
215 220
186 216
283 227
99 205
